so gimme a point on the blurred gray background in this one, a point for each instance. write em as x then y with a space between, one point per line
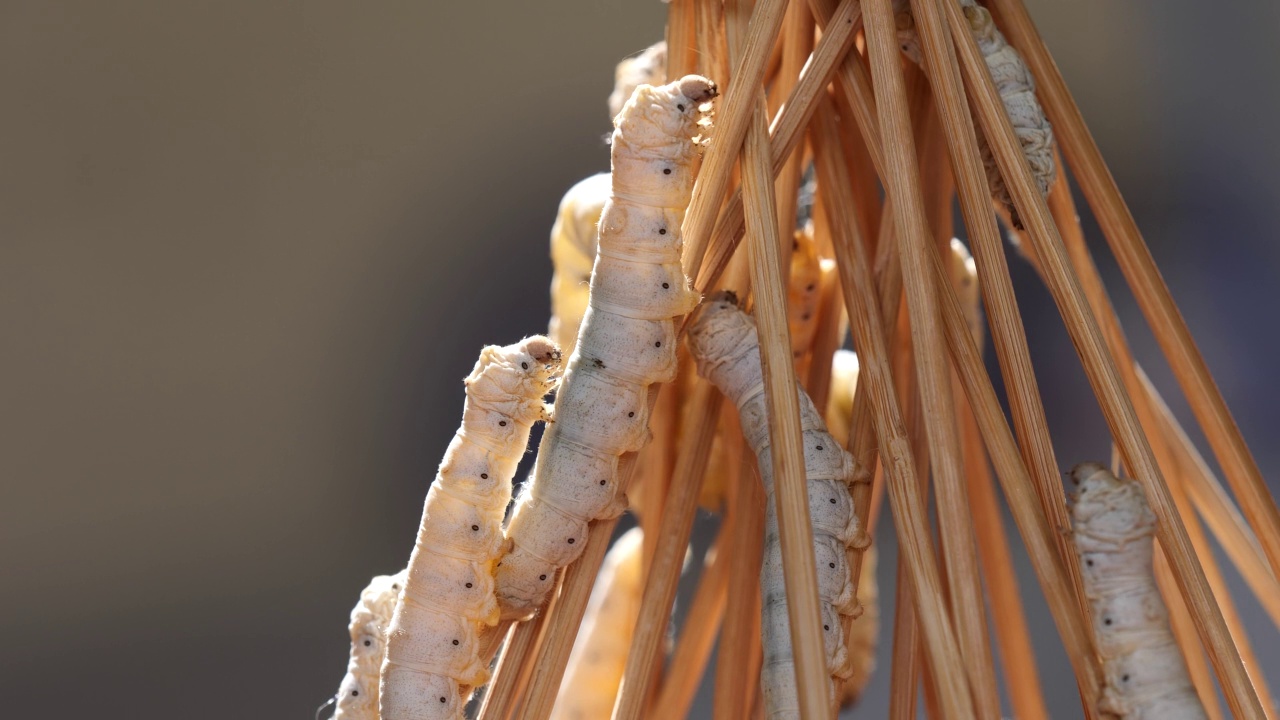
249 249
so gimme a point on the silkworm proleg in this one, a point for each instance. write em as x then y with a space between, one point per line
433 641
627 341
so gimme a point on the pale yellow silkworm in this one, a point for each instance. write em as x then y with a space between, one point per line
1017 88
1145 674
433 645
725 345
626 344
647 68
357 697
599 656
573 237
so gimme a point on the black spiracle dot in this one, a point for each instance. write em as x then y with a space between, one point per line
367 643
658 344
469 586
524 366
680 107
1106 621
455 642
833 501
502 423
603 482
831 565
666 171
819 447
475 528
570 541
1089 563
666 286
355 692
484 476
662 231
826 628
442 699
631 414
542 577
1125 678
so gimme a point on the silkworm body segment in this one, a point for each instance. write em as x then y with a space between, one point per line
433 641
627 341
357 697
1145 674
725 344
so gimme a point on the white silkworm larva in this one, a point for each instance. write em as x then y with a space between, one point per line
1017 88
724 343
647 68
433 643
1112 525
599 656
357 697
627 342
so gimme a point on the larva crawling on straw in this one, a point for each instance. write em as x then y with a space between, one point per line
725 345
573 237
1146 676
357 697
627 341
433 641
599 657
1017 88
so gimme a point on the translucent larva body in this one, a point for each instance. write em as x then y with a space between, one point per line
573 253
1146 677
627 342
433 640
357 697
1017 88
647 68
599 657
724 343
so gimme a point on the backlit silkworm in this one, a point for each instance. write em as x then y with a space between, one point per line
647 68
1017 88
573 237
433 643
627 342
357 697
724 343
802 291
1146 676
599 656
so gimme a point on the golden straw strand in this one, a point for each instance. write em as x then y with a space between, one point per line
738 659
511 676
693 649
904 676
1184 633
682 45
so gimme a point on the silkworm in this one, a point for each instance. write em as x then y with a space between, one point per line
1145 674
433 641
1017 88
647 68
724 343
357 697
573 237
627 341
599 656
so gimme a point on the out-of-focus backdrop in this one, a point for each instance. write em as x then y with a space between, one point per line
248 250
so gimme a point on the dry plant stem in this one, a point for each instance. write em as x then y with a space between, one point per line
732 119
784 135
1184 633
910 515
1146 283
682 46
1012 634
697 638
796 44
738 661
826 341
959 547
794 529
1008 335
1216 507
1063 209
511 676
904 677
1101 369
713 50
673 537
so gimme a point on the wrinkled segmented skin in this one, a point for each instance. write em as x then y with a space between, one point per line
433 643
725 345
599 657
1017 88
357 697
1112 525
627 341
